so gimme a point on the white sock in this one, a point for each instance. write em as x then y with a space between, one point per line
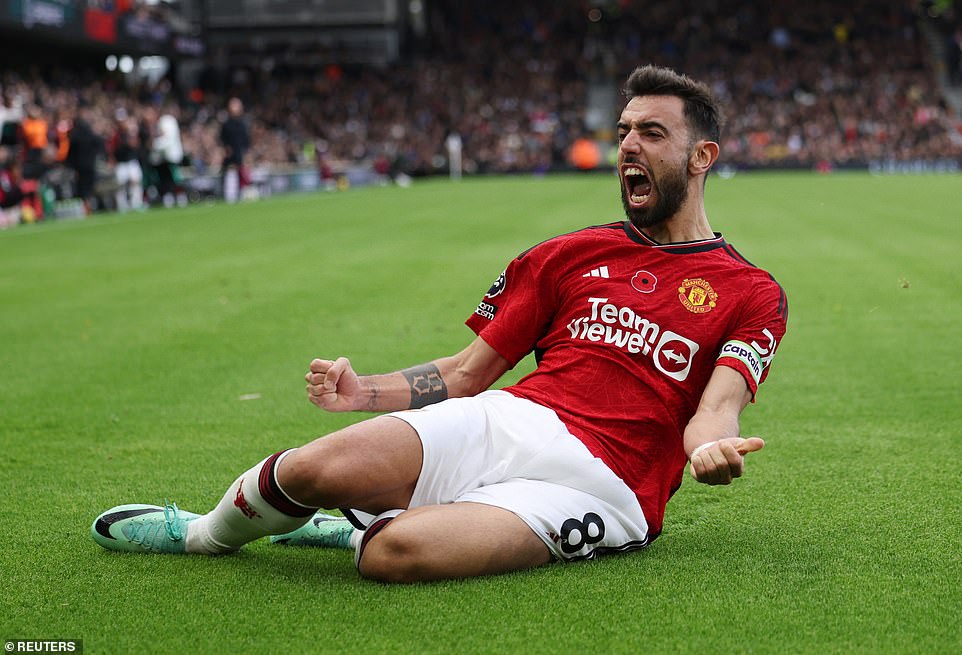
253 507
360 538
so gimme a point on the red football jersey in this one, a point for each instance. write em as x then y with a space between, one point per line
626 333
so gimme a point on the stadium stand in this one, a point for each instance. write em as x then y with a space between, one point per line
819 85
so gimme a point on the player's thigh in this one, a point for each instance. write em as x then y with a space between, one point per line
457 540
379 458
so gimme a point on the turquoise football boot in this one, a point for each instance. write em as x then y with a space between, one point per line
143 528
322 531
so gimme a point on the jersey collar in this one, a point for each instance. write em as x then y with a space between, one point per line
680 248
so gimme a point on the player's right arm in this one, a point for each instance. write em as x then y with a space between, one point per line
333 384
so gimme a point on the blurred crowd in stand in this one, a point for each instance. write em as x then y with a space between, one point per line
816 84
819 85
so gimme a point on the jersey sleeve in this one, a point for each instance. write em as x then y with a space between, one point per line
751 346
517 310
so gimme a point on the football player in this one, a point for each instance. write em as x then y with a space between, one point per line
651 336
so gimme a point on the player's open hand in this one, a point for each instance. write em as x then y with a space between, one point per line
723 460
333 385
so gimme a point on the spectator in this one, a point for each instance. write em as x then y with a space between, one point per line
11 195
167 153
85 146
124 147
11 113
236 139
35 138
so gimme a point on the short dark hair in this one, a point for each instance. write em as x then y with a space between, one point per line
702 112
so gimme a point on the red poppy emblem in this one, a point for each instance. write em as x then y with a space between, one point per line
644 282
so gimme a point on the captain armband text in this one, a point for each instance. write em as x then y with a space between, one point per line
747 355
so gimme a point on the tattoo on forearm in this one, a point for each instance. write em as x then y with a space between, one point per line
375 392
427 385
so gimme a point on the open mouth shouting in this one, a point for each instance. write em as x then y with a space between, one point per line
638 185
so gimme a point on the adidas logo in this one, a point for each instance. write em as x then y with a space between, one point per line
598 272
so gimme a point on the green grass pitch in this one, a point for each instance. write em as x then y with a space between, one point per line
157 356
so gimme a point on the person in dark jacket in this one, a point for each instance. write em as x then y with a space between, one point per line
85 146
236 139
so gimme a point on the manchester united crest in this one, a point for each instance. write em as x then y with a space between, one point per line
697 295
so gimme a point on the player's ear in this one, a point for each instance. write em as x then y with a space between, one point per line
703 155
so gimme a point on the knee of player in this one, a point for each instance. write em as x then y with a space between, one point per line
309 477
395 555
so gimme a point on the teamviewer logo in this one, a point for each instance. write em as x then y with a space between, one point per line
673 355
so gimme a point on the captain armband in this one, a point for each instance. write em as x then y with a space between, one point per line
744 353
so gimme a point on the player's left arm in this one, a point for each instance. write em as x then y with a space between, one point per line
713 441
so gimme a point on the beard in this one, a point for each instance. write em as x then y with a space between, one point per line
671 190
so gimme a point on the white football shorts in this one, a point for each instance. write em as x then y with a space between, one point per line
501 450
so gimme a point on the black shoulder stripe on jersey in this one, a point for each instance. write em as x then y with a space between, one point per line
606 226
737 256
782 299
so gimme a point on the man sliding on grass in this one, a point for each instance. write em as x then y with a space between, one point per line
651 335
